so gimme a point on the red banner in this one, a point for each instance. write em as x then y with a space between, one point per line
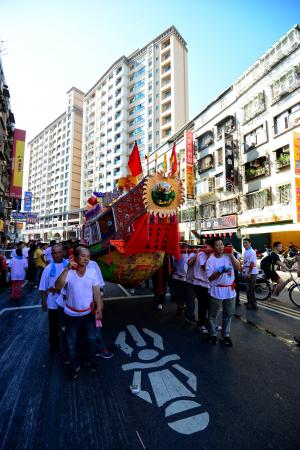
153 237
16 181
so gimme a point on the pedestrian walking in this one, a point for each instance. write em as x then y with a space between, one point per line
160 282
18 267
201 287
52 300
3 269
189 289
220 271
40 262
250 272
179 279
82 293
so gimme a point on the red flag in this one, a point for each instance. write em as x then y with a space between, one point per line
134 162
173 160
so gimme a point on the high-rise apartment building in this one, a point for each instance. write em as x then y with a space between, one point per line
55 172
247 146
142 98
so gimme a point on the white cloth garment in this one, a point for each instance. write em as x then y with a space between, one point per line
18 268
48 281
216 287
48 254
200 275
180 267
250 257
95 266
79 292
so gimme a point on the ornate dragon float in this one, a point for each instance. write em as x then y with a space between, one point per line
129 235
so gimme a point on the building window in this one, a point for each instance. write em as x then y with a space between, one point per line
228 207
260 167
259 199
287 119
208 211
205 140
254 107
255 138
286 83
285 193
283 157
219 154
205 163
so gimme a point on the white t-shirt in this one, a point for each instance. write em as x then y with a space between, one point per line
180 267
250 257
47 281
190 269
25 251
95 266
200 275
18 268
216 287
48 254
79 292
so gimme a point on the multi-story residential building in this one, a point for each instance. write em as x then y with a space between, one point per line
55 173
142 98
7 124
246 143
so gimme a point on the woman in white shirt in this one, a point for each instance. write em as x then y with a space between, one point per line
18 267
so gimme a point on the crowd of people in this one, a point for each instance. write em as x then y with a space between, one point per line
71 288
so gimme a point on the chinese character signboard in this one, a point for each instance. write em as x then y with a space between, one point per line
219 223
229 165
298 199
24 217
16 181
189 165
27 201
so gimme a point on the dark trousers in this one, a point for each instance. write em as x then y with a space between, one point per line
53 329
76 326
38 274
178 289
250 289
190 301
202 295
63 347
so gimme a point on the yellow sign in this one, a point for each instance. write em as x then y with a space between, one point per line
19 164
298 199
1 225
296 142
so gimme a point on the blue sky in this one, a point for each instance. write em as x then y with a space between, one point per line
54 45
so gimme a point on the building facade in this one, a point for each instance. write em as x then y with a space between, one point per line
245 146
142 98
55 174
7 125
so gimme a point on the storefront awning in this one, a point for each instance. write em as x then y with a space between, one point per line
270 229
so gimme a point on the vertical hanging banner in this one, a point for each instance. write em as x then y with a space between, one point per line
189 165
296 145
27 201
229 165
296 142
16 181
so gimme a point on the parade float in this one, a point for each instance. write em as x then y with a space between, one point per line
129 232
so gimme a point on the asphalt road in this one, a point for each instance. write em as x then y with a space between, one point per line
192 395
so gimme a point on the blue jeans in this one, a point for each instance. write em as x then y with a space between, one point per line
74 327
215 307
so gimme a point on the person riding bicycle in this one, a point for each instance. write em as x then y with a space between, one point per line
268 266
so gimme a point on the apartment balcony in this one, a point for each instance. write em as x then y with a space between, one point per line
283 161
166 96
166 132
166 108
207 189
166 122
166 83
165 58
260 167
165 47
166 69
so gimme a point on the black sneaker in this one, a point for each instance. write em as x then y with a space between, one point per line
74 373
227 341
213 340
191 321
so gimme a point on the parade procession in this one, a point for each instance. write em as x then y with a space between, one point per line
149 226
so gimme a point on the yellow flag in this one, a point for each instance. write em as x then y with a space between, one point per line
165 163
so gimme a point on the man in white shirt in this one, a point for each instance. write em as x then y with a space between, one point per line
52 299
250 272
82 293
179 279
201 285
220 272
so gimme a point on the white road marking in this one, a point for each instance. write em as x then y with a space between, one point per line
157 339
124 290
140 342
161 362
121 343
15 308
191 425
137 380
138 435
179 406
167 387
192 379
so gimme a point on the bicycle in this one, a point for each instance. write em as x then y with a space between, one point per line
264 289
